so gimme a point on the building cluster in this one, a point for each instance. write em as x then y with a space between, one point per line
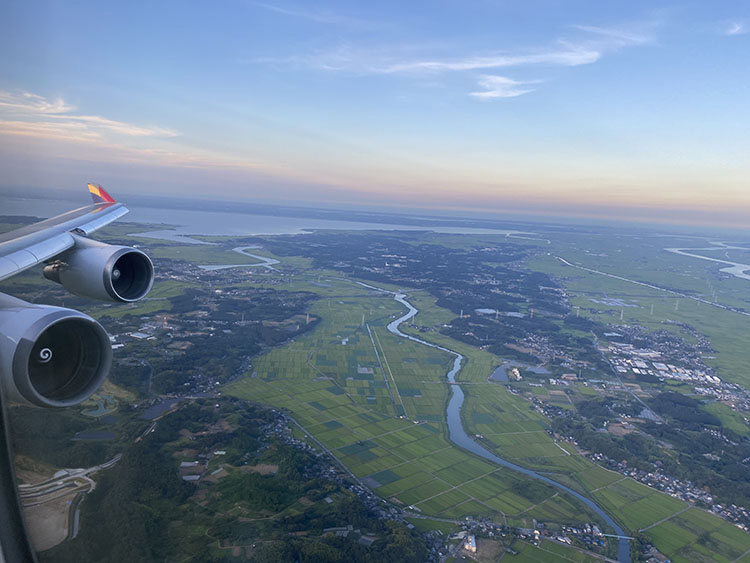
589 534
564 380
540 346
627 359
676 364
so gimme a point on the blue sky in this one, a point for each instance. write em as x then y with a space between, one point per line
621 109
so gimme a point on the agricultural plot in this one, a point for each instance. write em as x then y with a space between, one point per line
199 254
510 427
725 329
634 505
547 551
377 403
695 535
637 505
729 418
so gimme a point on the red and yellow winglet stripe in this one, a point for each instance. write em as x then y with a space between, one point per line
99 195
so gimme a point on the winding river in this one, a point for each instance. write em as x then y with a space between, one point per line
735 268
265 261
459 436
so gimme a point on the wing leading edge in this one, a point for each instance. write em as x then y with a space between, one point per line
30 245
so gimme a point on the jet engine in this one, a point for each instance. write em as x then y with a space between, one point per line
102 271
50 356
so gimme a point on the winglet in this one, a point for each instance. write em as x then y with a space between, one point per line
99 195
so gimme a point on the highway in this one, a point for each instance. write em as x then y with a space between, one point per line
66 482
61 485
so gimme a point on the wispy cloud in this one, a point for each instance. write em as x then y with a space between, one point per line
25 113
736 28
566 56
49 128
616 37
346 58
26 102
501 87
585 45
318 16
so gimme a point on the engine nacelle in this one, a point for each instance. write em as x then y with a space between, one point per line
50 356
103 271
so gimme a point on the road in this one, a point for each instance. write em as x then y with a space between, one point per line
656 287
67 482
74 480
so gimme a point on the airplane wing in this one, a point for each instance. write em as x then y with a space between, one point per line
52 356
30 245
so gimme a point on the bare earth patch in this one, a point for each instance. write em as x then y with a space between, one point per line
618 429
262 468
488 550
47 524
30 471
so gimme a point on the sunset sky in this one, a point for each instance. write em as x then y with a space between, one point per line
635 109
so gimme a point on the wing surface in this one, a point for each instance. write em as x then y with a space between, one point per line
30 245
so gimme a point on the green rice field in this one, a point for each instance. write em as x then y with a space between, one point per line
377 402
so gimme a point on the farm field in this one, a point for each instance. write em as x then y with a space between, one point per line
510 427
547 551
695 535
725 329
347 383
378 403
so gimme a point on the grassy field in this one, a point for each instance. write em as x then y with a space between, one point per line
510 427
695 536
157 301
377 402
729 418
348 384
547 551
726 330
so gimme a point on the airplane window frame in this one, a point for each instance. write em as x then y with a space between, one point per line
14 541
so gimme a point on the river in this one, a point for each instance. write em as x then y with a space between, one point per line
736 269
265 261
459 436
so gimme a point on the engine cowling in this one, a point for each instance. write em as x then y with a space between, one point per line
103 271
50 356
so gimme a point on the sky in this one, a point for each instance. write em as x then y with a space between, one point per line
624 109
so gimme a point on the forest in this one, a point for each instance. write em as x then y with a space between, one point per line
684 447
142 511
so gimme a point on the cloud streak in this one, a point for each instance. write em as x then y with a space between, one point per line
501 87
321 17
34 128
563 57
589 45
30 114
29 103
345 58
616 37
